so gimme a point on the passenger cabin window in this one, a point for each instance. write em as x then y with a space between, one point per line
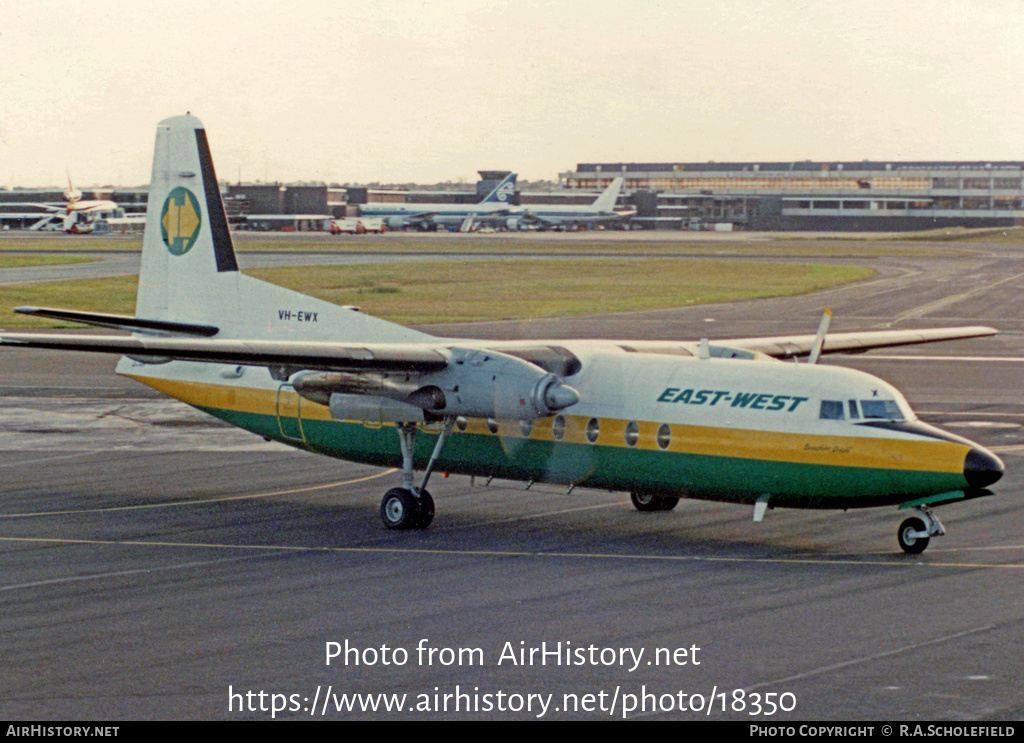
558 427
881 409
592 430
831 410
632 433
664 436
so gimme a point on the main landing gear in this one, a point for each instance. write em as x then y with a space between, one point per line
915 533
401 508
650 502
411 506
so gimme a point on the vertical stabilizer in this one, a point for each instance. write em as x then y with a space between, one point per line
187 255
189 271
503 192
606 201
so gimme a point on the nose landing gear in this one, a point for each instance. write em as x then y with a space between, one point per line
916 532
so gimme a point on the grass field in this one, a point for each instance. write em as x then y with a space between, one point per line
436 292
934 242
22 261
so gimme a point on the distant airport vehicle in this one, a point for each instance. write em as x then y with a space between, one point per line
128 224
356 225
662 420
494 208
601 211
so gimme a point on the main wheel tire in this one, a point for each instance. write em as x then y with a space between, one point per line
426 508
400 510
668 502
646 502
909 543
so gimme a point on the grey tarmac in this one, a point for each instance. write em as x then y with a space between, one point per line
151 558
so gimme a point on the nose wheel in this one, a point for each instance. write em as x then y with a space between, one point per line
916 532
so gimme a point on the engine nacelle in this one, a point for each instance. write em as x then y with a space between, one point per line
372 409
475 384
488 384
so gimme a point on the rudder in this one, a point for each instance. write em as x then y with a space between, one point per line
189 271
188 259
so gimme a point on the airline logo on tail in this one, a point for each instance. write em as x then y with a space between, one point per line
505 191
180 221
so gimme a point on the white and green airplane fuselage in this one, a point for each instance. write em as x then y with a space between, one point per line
722 429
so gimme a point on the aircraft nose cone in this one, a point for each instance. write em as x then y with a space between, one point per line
982 468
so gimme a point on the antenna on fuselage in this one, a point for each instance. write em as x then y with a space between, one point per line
819 340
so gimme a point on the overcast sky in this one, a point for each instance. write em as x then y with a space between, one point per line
433 90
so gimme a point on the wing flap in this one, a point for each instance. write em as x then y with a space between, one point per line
307 355
789 346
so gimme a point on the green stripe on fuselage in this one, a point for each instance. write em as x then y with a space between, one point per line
790 484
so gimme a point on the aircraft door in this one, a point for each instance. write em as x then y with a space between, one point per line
289 413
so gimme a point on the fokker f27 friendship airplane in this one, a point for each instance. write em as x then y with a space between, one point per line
662 420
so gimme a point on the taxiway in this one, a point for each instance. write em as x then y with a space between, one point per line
155 562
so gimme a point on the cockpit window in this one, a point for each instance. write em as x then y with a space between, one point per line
831 410
883 409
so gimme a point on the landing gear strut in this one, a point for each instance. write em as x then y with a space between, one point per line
915 533
411 506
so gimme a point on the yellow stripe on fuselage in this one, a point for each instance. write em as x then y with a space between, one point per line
917 454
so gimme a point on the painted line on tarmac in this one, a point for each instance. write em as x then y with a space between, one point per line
868 658
200 501
924 309
895 562
124 573
47 460
893 357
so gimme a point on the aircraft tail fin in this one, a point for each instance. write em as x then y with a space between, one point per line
606 201
503 192
189 271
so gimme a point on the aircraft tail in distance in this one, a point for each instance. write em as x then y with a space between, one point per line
503 192
606 201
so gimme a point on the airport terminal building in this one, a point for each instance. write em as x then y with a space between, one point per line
865 195
766 196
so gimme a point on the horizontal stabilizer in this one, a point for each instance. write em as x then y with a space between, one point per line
790 346
121 322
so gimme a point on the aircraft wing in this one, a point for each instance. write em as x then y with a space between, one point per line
537 219
790 346
23 204
314 355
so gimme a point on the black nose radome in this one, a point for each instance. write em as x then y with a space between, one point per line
982 468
